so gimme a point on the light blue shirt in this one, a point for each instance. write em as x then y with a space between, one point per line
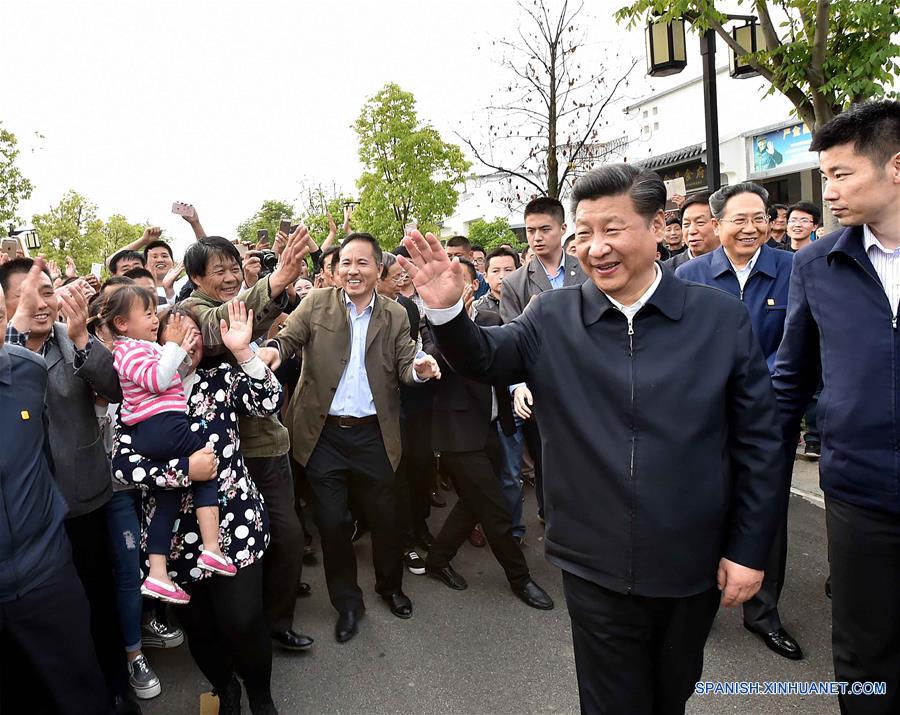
557 279
353 397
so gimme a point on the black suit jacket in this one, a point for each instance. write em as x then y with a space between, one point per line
461 418
661 452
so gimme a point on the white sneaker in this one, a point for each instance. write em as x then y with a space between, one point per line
143 679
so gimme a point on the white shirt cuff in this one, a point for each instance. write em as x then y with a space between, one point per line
255 368
439 316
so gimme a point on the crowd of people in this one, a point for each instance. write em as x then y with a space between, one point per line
170 430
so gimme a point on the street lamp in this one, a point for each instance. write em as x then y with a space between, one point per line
30 236
665 45
751 37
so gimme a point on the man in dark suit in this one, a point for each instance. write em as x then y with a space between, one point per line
842 315
44 615
549 269
699 233
662 491
344 420
467 419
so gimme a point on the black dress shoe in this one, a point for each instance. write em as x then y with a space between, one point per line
304 590
448 576
533 595
290 640
780 642
347 624
437 501
828 586
425 539
399 604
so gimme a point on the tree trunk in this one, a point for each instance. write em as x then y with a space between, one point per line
552 161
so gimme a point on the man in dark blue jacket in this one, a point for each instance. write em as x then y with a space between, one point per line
842 313
759 276
44 615
660 490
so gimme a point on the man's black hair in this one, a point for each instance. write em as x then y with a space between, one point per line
646 189
388 259
400 251
693 199
872 127
136 273
473 271
673 221
329 256
773 210
159 243
476 247
459 242
720 198
116 281
497 252
806 207
123 255
203 250
567 240
546 205
14 268
368 238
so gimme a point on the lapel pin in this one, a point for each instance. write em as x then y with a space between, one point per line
25 415
572 273
770 301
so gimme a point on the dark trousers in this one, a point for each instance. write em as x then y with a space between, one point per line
283 562
48 628
864 551
346 461
415 477
474 476
636 654
301 495
227 631
533 441
761 611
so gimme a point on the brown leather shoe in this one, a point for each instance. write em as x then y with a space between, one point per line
476 538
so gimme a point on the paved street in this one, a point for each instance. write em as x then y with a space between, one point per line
482 651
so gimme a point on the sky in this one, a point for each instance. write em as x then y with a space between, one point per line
225 104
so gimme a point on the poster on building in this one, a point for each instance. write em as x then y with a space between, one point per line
783 148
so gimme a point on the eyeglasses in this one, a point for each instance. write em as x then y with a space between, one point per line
742 221
801 221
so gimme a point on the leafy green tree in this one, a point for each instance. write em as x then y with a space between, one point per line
410 173
823 55
268 217
14 186
317 203
72 228
491 234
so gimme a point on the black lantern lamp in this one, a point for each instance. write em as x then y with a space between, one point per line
751 38
32 240
666 53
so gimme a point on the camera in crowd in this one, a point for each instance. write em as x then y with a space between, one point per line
268 259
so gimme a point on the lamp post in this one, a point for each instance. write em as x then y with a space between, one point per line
30 235
666 56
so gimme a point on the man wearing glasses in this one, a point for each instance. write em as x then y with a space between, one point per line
759 275
803 219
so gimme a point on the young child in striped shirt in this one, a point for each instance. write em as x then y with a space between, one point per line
155 407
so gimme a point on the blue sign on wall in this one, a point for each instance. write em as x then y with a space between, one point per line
782 148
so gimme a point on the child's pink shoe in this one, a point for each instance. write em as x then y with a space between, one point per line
210 561
164 592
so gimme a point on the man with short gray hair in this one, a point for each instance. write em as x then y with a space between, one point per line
661 492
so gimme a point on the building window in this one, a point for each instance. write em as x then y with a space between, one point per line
655 111
646 114
656 125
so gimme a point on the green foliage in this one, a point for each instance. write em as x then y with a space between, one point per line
491 234
14 187
317 204
410 173
269 217
72 228
853 60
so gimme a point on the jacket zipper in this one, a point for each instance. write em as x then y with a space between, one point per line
629 586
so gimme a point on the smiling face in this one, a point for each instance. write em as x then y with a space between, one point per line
126 264
47 308
616 246
674 236
358 271
387 286
159 262
141 322
223 278
744 227
799 227
698 229
857 190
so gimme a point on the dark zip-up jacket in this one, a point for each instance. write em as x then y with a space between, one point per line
839 317
659 453
765 293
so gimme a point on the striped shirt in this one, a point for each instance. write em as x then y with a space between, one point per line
149 377
887 266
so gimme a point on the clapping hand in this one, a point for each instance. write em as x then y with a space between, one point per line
295 252
237 331
438 280
174 273
71 268
74 307
178 328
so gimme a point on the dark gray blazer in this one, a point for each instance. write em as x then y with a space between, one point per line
530 280
675 261
82 468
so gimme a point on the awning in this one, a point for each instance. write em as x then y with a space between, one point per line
673 158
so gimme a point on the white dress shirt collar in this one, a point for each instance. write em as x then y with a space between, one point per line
630 311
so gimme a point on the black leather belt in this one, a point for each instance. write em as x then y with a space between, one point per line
347 422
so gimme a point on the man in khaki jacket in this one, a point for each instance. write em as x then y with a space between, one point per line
344 420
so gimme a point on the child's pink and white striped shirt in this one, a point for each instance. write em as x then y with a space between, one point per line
149 377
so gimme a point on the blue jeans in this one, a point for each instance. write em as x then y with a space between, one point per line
511 476
124 526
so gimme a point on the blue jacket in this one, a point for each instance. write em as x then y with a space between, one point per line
765 293
33 542
839 316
